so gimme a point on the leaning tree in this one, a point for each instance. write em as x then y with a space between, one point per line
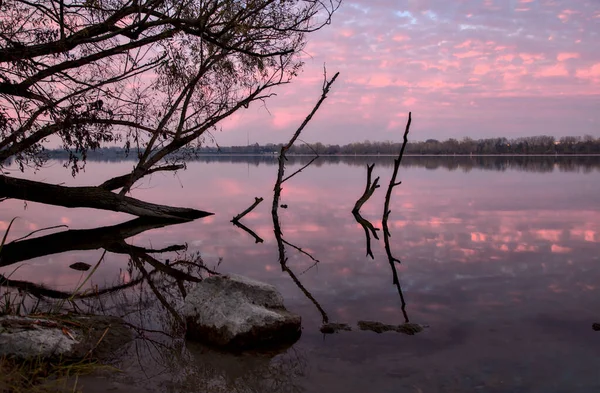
155 76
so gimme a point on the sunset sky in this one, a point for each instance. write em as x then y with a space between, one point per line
477 68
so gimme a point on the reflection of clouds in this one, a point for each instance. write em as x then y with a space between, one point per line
460 237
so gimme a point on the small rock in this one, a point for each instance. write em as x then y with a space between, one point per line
81 266
378 327
238 313
284 206
330 328
596 326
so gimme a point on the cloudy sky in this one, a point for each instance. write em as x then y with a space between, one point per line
473 68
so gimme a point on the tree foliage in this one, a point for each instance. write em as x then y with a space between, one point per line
154 75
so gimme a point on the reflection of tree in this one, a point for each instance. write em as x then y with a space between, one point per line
111 239
538 164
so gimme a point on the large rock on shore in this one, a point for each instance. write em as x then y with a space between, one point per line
238 313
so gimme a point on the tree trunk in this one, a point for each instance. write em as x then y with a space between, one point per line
91 197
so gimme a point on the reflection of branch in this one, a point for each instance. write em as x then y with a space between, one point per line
384 221
369 229
248 210
300 250
393 261
324 316
369 189
40 291
157 293
85 239
301 169
257 239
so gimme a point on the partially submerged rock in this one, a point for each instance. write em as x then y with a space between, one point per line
378 327
61 336
331 327
235 312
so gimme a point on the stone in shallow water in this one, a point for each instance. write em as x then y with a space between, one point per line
235 312
331 327
378 327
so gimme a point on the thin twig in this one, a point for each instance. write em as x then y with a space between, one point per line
300 250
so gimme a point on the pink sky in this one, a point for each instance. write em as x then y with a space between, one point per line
477 68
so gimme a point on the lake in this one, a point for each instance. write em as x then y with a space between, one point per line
499 260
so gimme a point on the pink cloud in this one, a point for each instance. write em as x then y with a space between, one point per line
592 72
481 69
400 37
555 70
468 54
567 55
530 58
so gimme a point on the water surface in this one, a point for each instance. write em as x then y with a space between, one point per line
499 260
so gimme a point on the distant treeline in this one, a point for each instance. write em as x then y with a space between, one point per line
465 163
527 145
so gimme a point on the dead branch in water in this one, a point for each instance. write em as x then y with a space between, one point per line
388 194
386 213
281 243
369 189
281 168
248 210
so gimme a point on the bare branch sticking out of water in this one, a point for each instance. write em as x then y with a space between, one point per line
248 210
369 189
281 243
393 183
386 213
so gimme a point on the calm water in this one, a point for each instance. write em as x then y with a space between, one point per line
499 258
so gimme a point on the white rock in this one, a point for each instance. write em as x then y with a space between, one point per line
26 338
239 313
